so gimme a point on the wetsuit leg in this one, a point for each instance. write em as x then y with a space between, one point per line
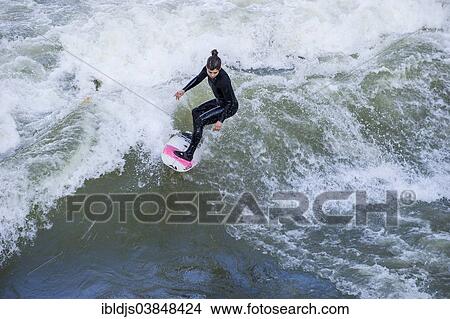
206 116
202 108
207 113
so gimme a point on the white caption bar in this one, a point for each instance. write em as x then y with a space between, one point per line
224 308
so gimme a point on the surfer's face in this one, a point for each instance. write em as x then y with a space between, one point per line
212 73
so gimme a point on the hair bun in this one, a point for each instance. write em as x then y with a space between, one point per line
214 52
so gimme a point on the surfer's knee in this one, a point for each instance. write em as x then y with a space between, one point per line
197 120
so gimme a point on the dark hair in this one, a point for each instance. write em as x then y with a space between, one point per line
214 61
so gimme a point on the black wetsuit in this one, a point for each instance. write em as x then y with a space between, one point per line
223 106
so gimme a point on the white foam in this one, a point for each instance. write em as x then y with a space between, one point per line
8 132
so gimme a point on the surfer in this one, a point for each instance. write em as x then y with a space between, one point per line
214 111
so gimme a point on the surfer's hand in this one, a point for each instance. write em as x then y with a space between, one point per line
217 126
179 94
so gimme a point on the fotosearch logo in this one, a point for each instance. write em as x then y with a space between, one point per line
331 208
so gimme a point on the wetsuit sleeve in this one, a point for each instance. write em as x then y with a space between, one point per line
195 81
227 101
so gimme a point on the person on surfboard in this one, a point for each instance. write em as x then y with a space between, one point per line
214 111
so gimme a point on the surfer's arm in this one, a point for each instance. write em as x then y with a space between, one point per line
227 101
195 81
226 106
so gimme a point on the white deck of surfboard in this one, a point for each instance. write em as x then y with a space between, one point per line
180 142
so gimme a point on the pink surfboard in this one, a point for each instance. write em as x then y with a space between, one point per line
179 142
